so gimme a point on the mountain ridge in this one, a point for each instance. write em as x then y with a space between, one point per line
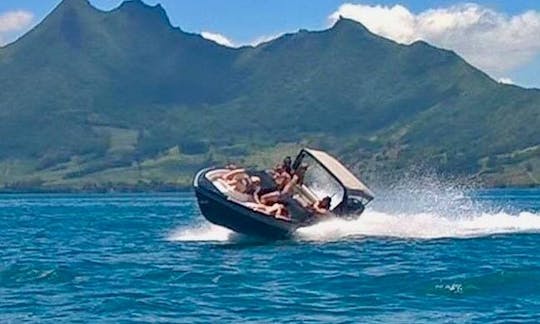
122 97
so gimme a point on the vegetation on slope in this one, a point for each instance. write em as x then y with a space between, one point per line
122 99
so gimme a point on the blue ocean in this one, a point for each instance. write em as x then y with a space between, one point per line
423 255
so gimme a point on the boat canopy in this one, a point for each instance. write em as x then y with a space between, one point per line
341 173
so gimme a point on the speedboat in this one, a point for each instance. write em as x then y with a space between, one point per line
221 204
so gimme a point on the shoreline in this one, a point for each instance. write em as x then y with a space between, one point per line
75 191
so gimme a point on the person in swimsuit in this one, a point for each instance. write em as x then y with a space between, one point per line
280 196
231 166
281 179
234 174
238 179
287 165
277 210
321 207
297 179
253 188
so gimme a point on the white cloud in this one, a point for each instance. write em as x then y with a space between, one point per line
263 39
490 40
506 81
224 40
218 38
13 22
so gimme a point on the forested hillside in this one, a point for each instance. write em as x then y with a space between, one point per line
97 100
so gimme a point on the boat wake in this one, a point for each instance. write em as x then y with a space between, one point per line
421 226
374 223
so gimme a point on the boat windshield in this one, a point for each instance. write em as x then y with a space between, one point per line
321 183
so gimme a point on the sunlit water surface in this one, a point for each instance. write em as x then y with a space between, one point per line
414 256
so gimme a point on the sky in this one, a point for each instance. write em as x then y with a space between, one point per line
500 37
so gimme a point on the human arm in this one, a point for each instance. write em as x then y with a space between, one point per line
256 197
231 174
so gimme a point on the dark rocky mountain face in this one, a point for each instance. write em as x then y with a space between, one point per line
107 90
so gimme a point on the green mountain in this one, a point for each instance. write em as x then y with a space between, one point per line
122 99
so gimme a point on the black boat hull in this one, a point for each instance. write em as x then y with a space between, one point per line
219 210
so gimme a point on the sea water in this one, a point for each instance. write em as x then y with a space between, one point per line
416 255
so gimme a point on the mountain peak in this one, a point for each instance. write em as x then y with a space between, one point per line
347 24
138 8
75 4
72 7
135 4
68 22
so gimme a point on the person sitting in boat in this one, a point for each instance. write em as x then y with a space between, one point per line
277 210
287 165
281 179
321 207
300 173
231 166
250 186
239 180
296 180
288 190
234 174
253 188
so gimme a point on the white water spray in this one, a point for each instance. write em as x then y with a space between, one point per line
425 207
421 226
206 232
